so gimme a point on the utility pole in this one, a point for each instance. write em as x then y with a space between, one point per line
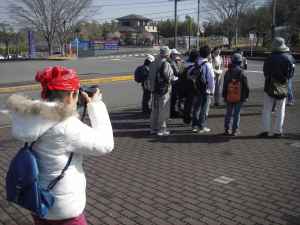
274 3
175 30
236 22
198 25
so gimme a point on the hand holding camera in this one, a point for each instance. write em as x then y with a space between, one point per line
89 94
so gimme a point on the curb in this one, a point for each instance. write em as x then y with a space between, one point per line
34 87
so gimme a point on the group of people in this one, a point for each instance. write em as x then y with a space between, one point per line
174 88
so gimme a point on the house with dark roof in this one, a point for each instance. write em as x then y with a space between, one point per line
137 30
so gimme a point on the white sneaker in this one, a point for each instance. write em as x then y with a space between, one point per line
163 133
195 130
204 130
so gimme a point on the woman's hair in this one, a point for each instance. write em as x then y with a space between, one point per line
57 95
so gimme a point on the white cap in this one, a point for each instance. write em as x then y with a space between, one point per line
150 58
175 52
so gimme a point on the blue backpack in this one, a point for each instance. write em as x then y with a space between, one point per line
22 182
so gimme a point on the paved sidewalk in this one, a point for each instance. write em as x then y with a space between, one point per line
173 180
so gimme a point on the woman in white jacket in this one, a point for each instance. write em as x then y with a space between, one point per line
54 124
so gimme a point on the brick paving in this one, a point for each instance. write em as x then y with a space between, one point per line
170 180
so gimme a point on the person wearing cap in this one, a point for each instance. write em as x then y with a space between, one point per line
53 124
176 65
217 65
233 108
144 73
278 70
161 75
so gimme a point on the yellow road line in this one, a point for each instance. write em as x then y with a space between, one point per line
34 87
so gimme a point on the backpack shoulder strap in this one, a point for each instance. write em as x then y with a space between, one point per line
62 174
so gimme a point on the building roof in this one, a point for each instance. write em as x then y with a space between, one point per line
134 17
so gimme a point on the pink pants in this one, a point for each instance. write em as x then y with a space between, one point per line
79 220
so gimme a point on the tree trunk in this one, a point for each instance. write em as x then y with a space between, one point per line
49 43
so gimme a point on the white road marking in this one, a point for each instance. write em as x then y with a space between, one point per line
253 71
4 111
223 180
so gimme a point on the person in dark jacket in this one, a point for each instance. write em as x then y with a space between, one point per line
234 103
146 92
278 69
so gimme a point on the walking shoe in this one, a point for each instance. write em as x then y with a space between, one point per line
263 135
226 132
290 104
195 129
204 130
163 133
278 135
235 133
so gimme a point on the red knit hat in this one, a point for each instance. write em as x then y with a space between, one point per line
57 78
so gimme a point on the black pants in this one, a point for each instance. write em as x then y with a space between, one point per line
146 101
174 97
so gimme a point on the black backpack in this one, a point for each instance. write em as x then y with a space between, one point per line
140 74
198 79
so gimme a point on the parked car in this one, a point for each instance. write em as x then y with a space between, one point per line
2 57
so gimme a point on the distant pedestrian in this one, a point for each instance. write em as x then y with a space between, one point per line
217 63
278 69
141 75
235 93
202 75
176 65
161 75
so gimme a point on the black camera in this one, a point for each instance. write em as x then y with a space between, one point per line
90 90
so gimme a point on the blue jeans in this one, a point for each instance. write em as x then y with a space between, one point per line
232 110
290 97
199 111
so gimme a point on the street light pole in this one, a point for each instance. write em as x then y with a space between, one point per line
198 25
236 23
175 30
274 3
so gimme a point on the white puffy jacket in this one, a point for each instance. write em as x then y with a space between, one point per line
61 132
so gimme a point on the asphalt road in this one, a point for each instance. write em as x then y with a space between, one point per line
21 71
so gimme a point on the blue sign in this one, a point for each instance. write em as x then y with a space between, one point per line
31 45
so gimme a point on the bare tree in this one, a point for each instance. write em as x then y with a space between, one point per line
72 12
228 11
48 16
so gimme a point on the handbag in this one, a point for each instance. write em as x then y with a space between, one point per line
277 89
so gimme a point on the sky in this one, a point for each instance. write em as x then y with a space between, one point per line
107 10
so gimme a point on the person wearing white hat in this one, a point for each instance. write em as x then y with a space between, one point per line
278 69
141 75
177 69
